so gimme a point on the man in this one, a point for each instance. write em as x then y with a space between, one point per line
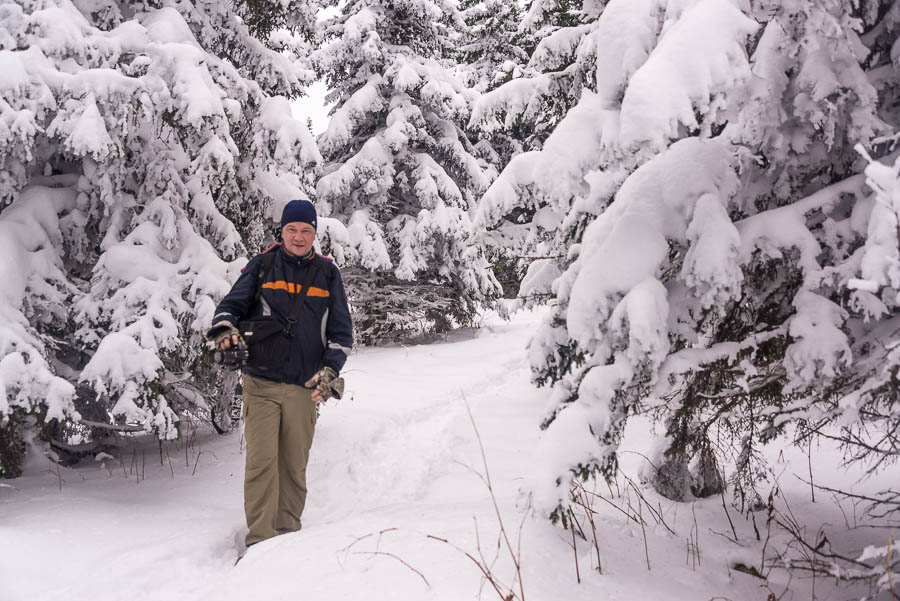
288 373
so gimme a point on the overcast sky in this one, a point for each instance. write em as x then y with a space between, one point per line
313 106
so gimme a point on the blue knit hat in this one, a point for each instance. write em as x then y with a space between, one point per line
299 210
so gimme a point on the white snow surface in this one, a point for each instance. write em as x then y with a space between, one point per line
393 462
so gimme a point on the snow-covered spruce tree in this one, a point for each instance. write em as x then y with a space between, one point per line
504 45
283 24
529 107
544 17
400 170
137 166
518 117
492 50
715 220
492 55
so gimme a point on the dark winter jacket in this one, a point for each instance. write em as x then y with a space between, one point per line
323 333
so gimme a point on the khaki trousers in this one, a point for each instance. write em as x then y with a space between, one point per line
279 423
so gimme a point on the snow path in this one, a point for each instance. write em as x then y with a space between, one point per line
392 463
397 452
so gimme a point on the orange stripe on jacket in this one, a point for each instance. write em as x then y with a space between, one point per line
291 288
280 285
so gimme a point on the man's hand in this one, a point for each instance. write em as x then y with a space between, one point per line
327 384
231 350
223 335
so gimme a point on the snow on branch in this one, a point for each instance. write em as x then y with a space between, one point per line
620 43
628 242
778 229
35 289
881 259
557 49
696 64
157 133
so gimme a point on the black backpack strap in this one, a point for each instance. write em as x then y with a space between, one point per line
312 270
268 259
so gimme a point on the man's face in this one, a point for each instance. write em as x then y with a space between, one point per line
298 237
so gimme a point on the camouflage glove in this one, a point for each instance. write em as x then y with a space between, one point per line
228 355
327 382
221 332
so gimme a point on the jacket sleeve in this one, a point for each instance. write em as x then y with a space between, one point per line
338 326
239 301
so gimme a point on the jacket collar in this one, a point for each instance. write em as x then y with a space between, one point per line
298 260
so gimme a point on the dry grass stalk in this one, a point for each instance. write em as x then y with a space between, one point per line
484 566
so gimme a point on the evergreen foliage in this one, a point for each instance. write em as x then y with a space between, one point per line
492 50
517 118
264 18
712 240
528 108
142 146
401 172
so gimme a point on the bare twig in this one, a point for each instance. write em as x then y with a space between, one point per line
812 488
171 468
813 550
379 552
575 548
642 500
724 535
843 513
605 500
53 457
725 508
386 554
889 498
346 549
770 517
696 532
889 567
657 515
487 477
121 458
484 560
644 533
582 500
485 571
481 562
522 526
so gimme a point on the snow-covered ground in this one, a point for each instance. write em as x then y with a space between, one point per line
394 464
